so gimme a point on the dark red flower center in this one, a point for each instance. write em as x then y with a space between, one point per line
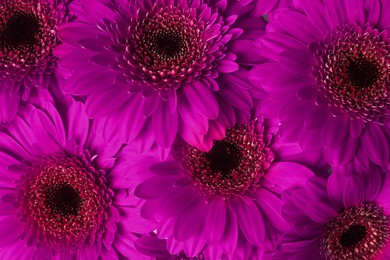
165 46
27 35
353 71
168 44
352 236
359 232
233 166
65 199
20 30
362 73
224 157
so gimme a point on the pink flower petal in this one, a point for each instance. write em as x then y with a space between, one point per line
335 131
202 99
375 143
165 125
214 225
190 221
251 221
78 123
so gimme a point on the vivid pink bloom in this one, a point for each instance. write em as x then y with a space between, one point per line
28 33
225 201
62 193
344 217
327 77
159 68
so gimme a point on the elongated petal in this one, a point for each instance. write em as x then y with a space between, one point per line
202 99
165 125
214 225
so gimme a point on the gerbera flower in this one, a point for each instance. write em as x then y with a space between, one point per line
162 68
344 217
328 70
224 199
28 33
157 249
61 194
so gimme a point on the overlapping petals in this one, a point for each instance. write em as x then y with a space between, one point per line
194 129
28 34
223 202
157 248
158 69
343 217
327 71
59 195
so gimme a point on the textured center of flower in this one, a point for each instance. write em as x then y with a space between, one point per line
362 73
20 30
224 157
353 71
65 199
352 236
359 232
233 166
27 35
165 46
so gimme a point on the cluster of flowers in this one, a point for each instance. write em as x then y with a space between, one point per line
195 129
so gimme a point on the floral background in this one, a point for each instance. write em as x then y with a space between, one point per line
194 129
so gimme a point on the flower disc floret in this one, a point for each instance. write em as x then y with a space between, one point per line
357 233
166 46
27 36
353 71
233 166
64 199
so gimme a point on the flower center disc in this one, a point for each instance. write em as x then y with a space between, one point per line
233 166
20 30
224 158
353 71
27 35
165 46
352 236
359 232
362 73
64 199
168 44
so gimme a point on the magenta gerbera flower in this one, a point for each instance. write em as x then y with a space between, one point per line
225 201
329 71
344 217
28 33
62 196
162 68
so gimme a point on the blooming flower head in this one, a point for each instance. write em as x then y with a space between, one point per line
329 73
168 63
225 201
344 217
61 194
28 33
